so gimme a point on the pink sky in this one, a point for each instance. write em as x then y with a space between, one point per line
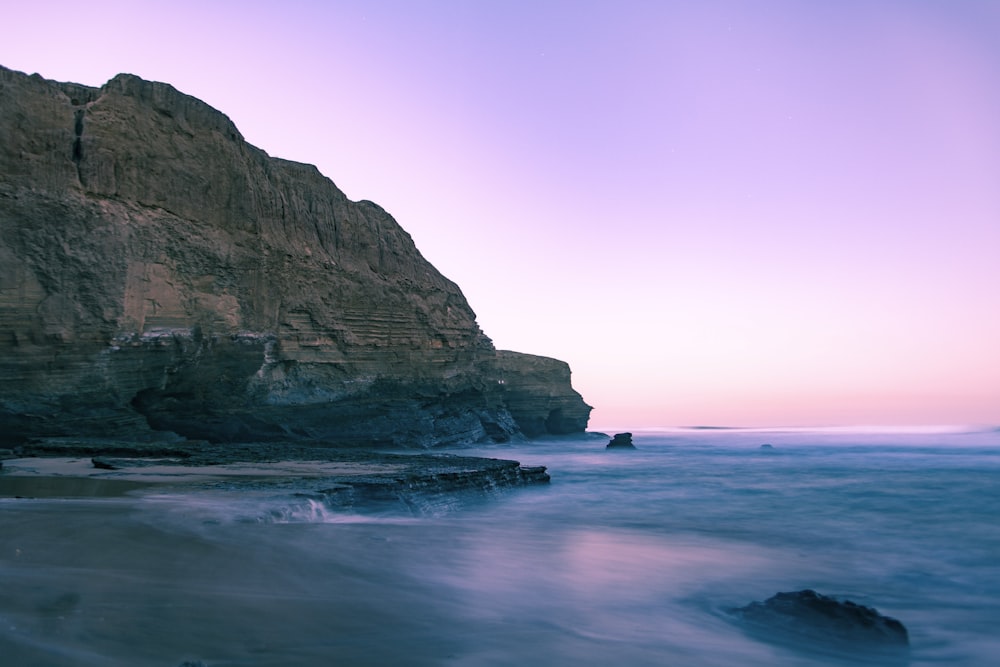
733 213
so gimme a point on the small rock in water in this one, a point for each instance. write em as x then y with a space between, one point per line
621 441
826 621
767 446
103 464
534 474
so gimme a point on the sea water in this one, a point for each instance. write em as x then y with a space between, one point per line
626 558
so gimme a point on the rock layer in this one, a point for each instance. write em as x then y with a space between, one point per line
333 478
539 394
159 274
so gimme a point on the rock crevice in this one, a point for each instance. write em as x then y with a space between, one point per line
78 132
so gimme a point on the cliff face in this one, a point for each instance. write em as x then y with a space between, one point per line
540 396
158 273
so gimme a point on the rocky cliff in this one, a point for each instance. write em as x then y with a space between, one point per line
160 275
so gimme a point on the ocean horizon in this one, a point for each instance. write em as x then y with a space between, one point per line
901 429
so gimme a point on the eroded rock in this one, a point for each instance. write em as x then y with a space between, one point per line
159 274
621 441
823 622
539 394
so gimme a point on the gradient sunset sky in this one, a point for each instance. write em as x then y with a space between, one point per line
734 212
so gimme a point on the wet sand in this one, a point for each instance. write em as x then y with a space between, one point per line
44 486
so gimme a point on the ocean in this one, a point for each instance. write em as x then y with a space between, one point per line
625 558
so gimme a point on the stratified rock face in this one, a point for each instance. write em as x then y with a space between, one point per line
158 271
540 395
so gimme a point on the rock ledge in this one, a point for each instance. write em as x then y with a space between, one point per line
337 478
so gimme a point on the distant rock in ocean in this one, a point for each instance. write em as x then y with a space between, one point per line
823 622
159 275
621 441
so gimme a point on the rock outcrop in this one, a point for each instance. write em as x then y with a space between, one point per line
539 394
158 274
621 441
332 478
824 623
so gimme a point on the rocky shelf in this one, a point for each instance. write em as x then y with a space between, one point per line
337 477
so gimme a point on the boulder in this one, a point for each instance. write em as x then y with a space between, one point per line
621 441
823 622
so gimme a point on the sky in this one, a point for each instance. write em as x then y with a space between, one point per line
718 212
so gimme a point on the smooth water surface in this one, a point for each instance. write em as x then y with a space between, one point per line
626 558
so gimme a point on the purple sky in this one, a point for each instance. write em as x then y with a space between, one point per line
733 213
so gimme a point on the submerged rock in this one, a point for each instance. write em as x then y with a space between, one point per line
621 441
823 622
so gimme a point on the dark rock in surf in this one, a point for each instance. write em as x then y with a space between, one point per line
534 474
621 441
824 622
766 447
102 463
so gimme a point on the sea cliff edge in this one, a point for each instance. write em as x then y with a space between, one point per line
163 280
